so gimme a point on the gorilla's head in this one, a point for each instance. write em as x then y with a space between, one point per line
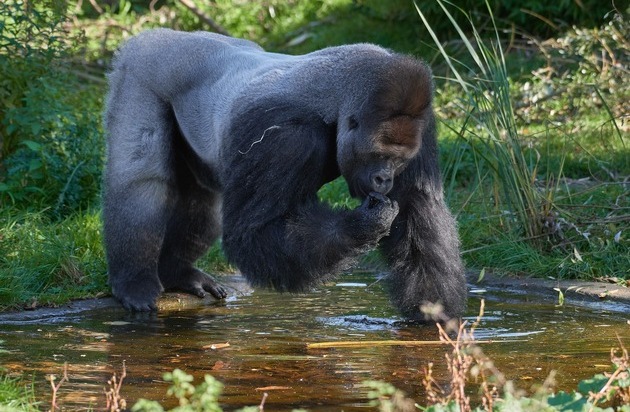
380 135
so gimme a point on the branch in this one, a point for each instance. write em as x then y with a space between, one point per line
210 22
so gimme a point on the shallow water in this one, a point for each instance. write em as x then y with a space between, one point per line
267 335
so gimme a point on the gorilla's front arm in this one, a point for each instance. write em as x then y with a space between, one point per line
292 242
423 247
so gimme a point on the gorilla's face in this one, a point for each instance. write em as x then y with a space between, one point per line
372 153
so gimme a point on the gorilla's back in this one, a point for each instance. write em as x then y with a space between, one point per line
170 61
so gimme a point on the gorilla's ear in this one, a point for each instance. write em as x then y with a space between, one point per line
405 88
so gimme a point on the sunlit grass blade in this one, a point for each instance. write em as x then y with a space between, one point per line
464 38
490 125
610 114
460 80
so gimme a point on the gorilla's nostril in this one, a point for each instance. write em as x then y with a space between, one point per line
381 183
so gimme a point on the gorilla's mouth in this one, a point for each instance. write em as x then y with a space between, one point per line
361 190
356 190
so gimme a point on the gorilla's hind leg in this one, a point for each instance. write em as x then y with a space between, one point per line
134 230
139 190
192 229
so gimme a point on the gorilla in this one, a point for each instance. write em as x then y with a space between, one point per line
211 136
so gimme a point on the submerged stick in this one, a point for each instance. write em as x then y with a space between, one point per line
371 343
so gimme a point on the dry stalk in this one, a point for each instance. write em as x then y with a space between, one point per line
434 392
190 5
465 361
115 401
55 388
619 394
261 407
459 362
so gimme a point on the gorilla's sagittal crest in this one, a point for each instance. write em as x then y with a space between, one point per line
210 135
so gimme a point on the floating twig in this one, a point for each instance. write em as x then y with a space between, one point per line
372 343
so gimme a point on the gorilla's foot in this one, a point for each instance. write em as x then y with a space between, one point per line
138 295
195 282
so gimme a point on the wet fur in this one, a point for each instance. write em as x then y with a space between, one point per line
210 136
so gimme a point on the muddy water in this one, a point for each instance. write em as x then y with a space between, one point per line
267 335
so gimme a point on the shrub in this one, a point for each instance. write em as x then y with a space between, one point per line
50 144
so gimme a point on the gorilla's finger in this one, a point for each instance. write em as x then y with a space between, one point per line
199 292
218 291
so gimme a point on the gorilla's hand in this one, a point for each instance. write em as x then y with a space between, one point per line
373 219
383 211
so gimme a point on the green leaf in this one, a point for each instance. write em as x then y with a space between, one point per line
144 405
34 165
566 402
510 404
449 407
560 296
594 384
36 128
621 382
481 275
34 146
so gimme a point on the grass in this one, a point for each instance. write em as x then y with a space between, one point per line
48 262
16 395
585 247
525 210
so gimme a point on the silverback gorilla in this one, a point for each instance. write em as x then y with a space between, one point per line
211 135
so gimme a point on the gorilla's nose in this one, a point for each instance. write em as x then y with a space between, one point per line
382 182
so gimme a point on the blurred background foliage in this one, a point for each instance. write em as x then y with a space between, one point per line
50 135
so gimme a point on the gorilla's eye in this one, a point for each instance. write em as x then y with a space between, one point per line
352 123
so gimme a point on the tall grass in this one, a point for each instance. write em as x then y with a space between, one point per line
491 121
16 395
46 262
